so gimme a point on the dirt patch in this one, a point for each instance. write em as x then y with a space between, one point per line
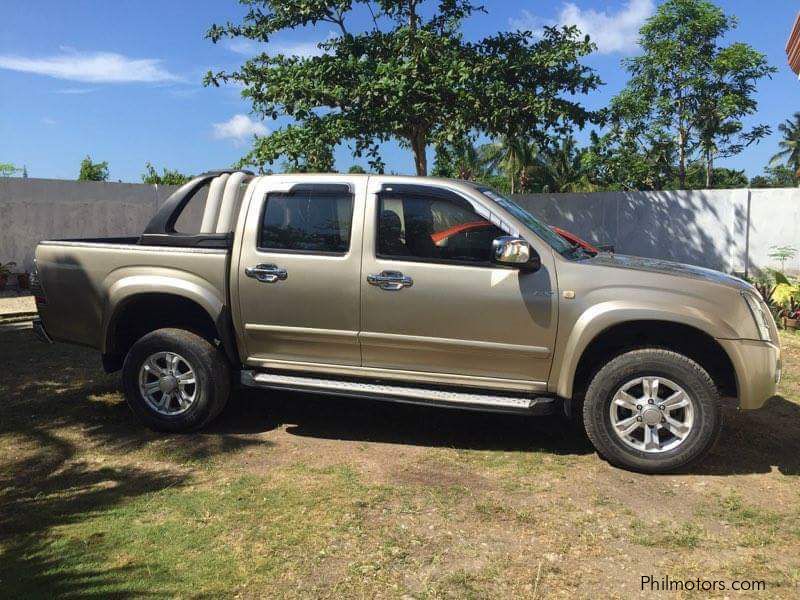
304 496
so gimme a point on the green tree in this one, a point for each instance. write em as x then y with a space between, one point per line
8 169
688 87
629 157
460 160
167 176
727 97
722 178
91 171
776 177
789 153
561 167
357 170
513 157
409 76
782 254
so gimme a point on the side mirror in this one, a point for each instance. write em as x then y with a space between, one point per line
515 252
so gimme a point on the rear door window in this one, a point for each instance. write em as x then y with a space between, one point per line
314 219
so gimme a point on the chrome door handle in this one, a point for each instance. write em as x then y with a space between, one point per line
390 280
266 273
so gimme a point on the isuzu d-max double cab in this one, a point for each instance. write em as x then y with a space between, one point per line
419 290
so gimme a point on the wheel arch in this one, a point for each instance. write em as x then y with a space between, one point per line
596 342
135 310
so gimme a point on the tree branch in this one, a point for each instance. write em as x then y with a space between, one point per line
337 18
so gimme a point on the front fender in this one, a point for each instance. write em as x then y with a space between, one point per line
133 282
600 317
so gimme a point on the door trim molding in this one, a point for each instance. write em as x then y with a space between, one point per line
396 340
299 333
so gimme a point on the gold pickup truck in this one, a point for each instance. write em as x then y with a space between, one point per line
407 289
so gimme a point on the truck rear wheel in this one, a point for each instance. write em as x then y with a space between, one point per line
175 380
652 411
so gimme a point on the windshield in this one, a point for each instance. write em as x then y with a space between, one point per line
555 241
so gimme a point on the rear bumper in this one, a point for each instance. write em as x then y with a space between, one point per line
38 329
758 370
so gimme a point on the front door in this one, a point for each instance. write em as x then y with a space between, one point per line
299 272
433 301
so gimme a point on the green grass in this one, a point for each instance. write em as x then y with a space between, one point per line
327 499
667 535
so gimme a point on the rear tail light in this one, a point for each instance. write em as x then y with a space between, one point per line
36 287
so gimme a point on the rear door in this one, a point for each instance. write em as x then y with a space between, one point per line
299 271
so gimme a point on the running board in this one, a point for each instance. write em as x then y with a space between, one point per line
398 393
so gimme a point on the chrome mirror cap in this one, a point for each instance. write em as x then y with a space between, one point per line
514 251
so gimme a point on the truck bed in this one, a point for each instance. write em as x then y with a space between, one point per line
83 281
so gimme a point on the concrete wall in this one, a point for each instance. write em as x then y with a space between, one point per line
774 221
708 228
37 209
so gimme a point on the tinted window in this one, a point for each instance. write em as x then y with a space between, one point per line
427 228
307 221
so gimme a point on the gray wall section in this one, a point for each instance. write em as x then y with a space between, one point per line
35 209
707 228
774 221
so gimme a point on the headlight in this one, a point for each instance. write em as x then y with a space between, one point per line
759 312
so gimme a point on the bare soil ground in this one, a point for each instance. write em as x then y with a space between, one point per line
298 496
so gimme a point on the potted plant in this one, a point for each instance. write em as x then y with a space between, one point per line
791 314
5 271
23 280
768 283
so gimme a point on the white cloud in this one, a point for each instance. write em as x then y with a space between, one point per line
251 48
49 121
92 67
76 91
239 128
612 32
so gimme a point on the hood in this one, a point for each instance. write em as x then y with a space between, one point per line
665 267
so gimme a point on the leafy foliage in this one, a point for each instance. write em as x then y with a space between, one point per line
410 76
782 254
167 176
790 145
8 169
7 269
91 171
686 92
514 157
722 178
775 177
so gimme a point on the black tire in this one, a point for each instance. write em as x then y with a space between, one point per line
658 363
212 375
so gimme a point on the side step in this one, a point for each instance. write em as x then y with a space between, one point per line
398 393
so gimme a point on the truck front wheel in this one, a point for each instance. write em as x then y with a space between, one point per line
652 411
175 380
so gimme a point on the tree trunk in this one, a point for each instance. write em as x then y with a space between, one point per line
681 159
419 146
412 15
709 170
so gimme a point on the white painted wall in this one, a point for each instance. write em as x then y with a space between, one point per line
707 228
703 227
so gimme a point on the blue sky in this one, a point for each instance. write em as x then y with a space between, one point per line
121 80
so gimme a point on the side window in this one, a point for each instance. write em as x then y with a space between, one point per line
414 227
312 219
